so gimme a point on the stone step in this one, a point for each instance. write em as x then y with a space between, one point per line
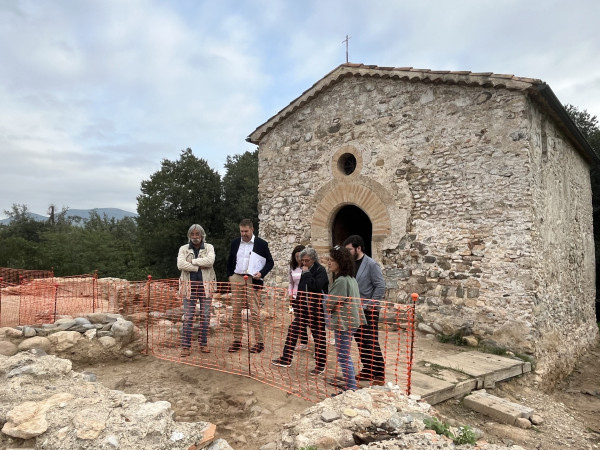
497 408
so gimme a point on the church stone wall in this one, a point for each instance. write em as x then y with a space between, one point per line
461 173
563 268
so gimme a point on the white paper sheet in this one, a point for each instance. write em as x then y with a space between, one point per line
256 263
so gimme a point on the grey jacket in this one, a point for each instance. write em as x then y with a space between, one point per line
370 282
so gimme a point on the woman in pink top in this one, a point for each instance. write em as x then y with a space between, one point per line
294 277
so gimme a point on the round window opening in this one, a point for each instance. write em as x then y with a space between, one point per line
347 163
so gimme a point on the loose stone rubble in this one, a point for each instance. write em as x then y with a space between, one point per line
377 417
93 337
44 404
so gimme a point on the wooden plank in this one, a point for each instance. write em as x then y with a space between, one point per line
476 364
423 385
457 390
495 359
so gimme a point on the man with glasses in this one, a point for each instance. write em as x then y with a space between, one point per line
372 289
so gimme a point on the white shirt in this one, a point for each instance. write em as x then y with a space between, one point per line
243 256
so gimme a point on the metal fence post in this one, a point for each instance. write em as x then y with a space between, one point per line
55 299
20 298
148 318
94 290
411 329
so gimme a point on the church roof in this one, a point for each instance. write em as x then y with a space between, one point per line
535 88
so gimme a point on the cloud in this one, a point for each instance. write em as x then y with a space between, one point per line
93 95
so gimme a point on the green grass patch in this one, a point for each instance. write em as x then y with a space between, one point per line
456 339
464 435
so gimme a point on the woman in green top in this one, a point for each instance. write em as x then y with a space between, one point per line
345 308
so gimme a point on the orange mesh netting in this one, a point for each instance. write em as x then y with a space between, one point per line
228 316
16 276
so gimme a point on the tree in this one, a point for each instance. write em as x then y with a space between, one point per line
181 193
587 124
240 191
23 225
240 201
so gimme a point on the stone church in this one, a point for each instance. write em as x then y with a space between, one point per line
470 189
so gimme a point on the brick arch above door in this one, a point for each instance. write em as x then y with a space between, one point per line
331 198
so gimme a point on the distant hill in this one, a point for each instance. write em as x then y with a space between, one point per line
115 213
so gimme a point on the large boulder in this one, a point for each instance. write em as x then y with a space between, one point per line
7 348
64 340
35 342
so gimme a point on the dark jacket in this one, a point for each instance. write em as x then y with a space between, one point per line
314 280
261 247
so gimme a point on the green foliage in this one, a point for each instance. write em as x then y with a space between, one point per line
493 350
240 201
438 426
456 338
464 435
22 225
587 124
181 193
71 247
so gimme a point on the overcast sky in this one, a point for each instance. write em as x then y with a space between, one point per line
94 94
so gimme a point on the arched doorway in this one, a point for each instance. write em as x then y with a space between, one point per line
351 220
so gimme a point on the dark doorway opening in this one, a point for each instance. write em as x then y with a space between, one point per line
352 220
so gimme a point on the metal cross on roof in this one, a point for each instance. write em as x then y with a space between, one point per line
346 41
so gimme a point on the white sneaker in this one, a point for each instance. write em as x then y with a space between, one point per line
301 347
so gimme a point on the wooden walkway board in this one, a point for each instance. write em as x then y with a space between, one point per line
477 364
483 369
433 390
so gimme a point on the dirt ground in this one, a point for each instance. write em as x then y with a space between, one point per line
249 414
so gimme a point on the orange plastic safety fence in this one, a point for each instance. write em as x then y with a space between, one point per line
234 333
223 325
17 276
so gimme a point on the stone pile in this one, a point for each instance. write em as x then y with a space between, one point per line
374 418
44 404
93 337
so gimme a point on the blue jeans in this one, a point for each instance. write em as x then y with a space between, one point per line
189 312
343 341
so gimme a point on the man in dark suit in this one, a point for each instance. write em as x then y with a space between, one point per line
246 287
372 289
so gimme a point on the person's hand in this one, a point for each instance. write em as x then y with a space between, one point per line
257 276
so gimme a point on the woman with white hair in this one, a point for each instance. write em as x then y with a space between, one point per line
312 286
196 283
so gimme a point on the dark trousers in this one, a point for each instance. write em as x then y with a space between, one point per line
311 315
367 338
303 324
